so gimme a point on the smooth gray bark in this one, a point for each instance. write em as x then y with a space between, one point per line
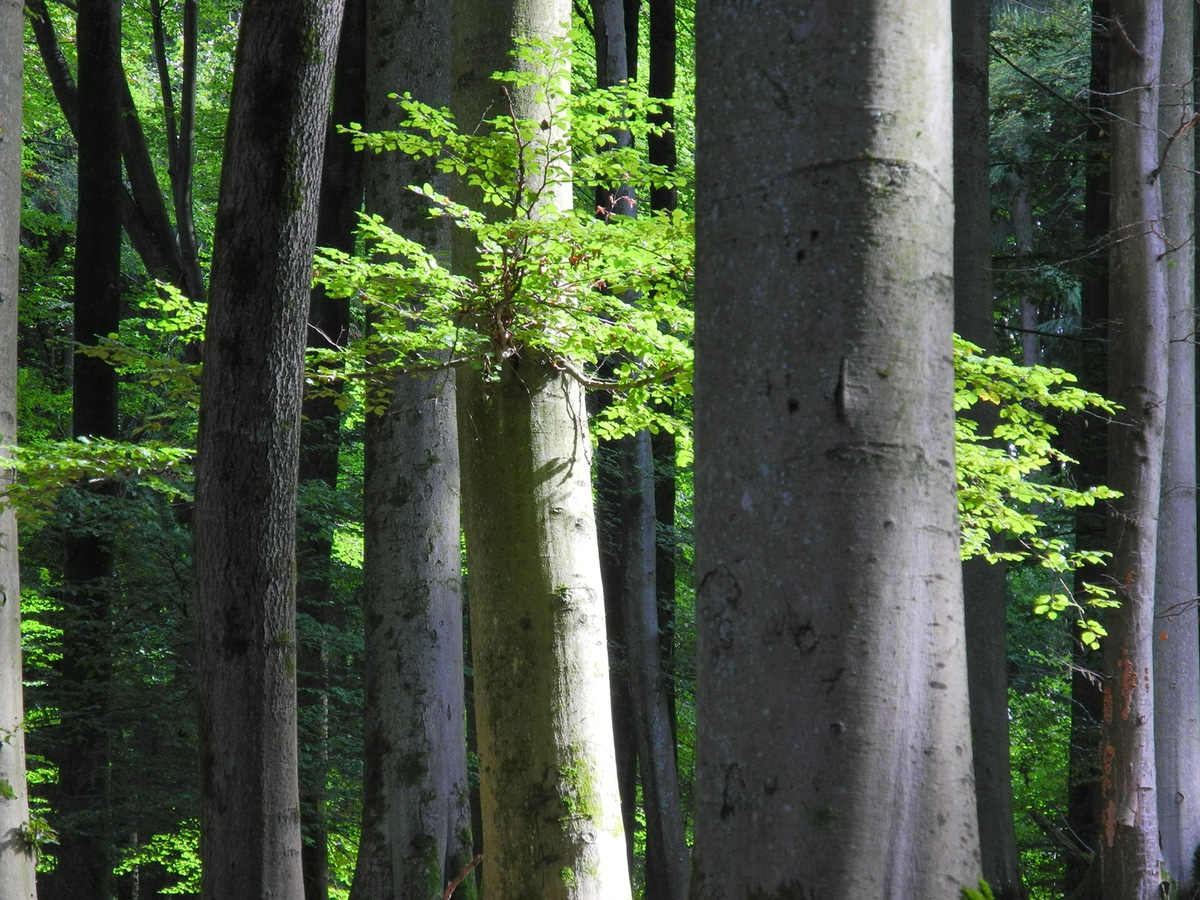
833 739
551 817
416 816
17 860
1176 644
248 453
1129 852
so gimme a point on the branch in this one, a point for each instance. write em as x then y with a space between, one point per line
449 892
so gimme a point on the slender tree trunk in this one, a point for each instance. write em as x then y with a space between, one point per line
416 832
833 737
984 590
81 796
328 325
1176 644
1129 850
17 861
551 817
1090 447
248 455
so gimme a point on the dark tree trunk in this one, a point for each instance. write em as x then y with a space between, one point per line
328 326
80 798
1089 446
984 589
249 443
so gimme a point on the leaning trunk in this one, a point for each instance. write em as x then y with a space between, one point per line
551 818
248 454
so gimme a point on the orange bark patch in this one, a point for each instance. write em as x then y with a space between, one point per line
1110 823
1128 684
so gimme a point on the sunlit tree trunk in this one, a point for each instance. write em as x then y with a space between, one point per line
248 453
16 854
551 817
1129 851
1176 647
833 739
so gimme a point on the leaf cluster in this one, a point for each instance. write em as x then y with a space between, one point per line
1009 472
603 294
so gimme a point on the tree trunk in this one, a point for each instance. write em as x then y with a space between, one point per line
80 798
551 816
1089 444
248 454
1176 648
984 589
416 832
833 738
17 861
1129 850
1176 645
320 436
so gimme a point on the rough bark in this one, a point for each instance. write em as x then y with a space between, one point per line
833 737
1129 851
551 818
248 454
80 741
984 590
17 860
1176 644
416 833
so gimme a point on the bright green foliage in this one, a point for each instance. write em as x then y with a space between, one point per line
1006 474
586 287
984 892
177 852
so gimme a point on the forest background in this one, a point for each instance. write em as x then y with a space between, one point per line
105 504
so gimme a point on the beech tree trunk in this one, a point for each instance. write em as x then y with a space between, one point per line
833 739
985 593
17 860
1176 643
1129 851
248 454
551 817
416 832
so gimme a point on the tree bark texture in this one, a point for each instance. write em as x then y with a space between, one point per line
248 455
1176 644
416 833
985 594
1129 851
17 861
833 739
551 816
